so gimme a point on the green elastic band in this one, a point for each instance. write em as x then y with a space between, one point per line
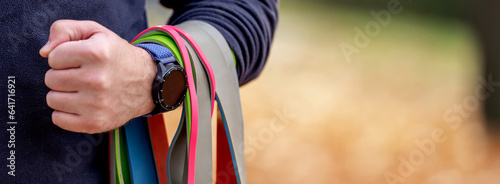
234 58
165 40
121 154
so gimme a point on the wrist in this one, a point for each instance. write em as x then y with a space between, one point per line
150 71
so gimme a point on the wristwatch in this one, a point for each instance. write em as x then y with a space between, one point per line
170 83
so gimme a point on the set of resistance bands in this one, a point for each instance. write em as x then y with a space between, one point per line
139 151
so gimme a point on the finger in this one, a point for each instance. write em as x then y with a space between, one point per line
75 123
63 101
67 121
63 80
68 55
68 30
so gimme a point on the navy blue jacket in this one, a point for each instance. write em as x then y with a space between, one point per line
44 153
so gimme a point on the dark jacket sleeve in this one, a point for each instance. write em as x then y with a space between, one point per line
247 25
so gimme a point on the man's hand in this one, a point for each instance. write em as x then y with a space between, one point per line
98 80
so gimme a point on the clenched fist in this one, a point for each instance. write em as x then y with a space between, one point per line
98 80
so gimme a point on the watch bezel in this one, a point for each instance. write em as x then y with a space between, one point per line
163 73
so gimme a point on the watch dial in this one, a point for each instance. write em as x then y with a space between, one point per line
174 87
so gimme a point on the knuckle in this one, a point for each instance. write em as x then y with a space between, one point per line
58 24
91 22
98 81
99 53
61 26
102 82
49 98
57 57
51 59
59 120
95 26
48 78
55 119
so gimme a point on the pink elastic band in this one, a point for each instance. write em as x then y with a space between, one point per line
194 103
203 59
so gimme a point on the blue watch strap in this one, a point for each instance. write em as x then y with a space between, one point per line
158 52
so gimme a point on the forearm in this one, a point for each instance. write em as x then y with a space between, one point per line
248 27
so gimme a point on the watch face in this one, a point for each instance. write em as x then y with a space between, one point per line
174 87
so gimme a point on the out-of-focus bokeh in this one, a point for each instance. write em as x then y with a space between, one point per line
351 96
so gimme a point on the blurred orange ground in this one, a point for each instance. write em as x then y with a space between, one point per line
314 117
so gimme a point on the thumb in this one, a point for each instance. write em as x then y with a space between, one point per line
69 30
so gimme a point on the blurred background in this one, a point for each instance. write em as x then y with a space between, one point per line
351 96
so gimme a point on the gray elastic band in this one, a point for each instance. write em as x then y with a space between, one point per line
178 154
219 55
204 143
178 163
